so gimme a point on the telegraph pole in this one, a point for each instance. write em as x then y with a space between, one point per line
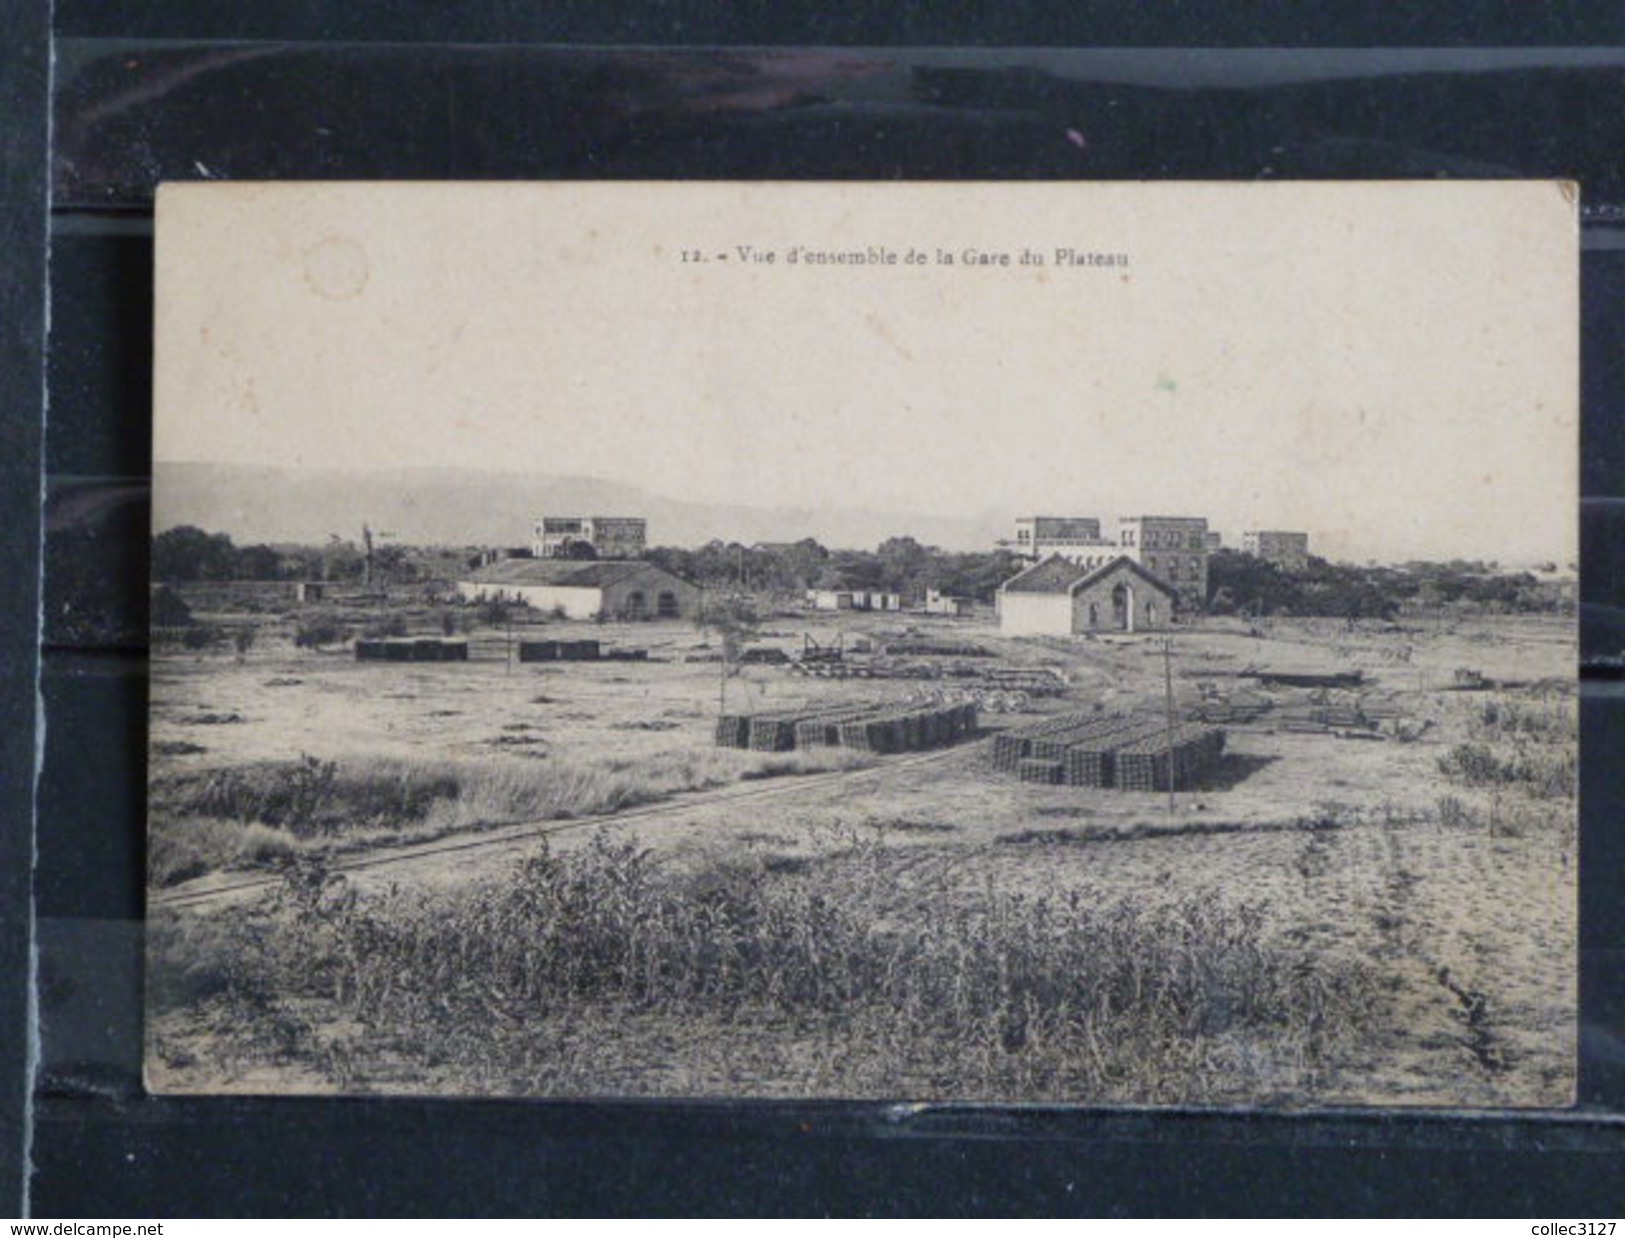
1168 703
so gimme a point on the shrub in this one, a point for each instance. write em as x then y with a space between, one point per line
1548 773
1472 764
317 629
385 625
497 613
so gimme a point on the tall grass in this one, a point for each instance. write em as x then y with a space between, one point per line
260 813
1542 773
606 969
1529 746
1543 720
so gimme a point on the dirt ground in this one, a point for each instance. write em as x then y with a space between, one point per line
1340 840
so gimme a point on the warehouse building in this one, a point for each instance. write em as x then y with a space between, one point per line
1060 598
585 590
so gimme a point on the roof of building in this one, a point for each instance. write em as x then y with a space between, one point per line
564 573
1063 523
1058 575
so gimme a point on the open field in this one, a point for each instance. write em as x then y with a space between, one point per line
1330 920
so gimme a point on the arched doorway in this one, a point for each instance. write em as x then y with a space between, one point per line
1123 608
666 604
636 606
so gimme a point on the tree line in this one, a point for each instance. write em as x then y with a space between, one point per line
188 553
898 565
1238 583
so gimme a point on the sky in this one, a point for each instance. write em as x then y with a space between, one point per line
1391 367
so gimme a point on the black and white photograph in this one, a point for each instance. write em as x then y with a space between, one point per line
1097 644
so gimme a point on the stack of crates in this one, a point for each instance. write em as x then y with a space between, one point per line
1030 769
1090 757
1013 745
773 732
866 728
1091 750
1150 763
879 735
824 730
733 731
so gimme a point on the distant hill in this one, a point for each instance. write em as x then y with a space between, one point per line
461 507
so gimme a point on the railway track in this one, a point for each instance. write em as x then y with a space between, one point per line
205 890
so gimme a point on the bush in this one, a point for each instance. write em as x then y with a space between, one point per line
318 629
495 613
385 625
1549 773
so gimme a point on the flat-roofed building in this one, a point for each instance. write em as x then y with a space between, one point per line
1284 549
1038 537
1172 548
590 537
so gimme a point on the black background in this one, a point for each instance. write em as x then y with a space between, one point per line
167 89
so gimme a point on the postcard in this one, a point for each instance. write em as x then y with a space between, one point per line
1109 644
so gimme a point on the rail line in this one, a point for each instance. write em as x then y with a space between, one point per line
536 828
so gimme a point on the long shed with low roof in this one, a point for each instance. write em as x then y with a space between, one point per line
608 589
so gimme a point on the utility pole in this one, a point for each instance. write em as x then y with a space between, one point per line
1168 701
722 681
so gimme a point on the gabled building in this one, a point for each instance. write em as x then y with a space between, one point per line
585 589
1173 548
1060 598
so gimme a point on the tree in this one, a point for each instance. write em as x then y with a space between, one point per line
258 562
186 552
733 619
904 564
